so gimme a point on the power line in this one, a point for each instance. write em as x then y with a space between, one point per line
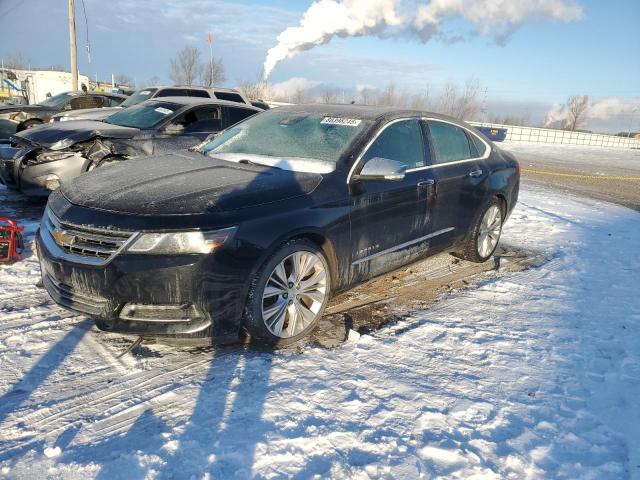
86 24
12 8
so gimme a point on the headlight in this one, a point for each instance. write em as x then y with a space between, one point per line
181 242
60 144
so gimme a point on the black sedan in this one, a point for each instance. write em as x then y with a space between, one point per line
256 231
43 158
27 116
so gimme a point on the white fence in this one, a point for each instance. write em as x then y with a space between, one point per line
547 135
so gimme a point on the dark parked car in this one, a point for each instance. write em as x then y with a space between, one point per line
270 219
27 116
143 94
44 157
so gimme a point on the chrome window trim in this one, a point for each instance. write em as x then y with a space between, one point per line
401 246
486 155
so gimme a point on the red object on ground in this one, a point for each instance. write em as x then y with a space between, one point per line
11 243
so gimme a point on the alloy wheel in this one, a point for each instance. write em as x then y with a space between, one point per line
489 232
294 294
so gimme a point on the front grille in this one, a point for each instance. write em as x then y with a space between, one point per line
73 299
82 244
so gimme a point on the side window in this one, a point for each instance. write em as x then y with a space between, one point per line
202 119
235 115
481 148
230 97
112 101
450 143
401 141
172 92
85 101
199 93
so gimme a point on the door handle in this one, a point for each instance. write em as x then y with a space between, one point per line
428 186
475 173
426 183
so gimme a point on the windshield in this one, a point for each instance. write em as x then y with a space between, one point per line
143 115
139 96
288 135
56 100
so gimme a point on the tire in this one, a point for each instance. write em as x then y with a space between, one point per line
28 124
485 236
282 314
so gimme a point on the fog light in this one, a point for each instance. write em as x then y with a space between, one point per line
52 182
159 313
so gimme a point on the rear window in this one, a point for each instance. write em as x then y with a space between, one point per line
230 97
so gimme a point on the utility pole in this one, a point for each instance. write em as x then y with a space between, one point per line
72 45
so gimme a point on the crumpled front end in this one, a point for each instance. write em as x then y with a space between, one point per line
45 170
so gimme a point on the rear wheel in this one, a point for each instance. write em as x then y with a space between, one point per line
484 238
288 295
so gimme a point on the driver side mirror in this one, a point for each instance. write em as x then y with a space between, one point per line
174 129
381 169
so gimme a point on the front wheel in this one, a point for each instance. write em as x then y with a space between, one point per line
289 294
484 238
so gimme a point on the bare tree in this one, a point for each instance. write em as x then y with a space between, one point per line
254 90
213 73
460 104
186 66
329 96
301 95
577 109
153 81
122 79
17 60
390 96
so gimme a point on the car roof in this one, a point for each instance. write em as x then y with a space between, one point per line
202 101
365 112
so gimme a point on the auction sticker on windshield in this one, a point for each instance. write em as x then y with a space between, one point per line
347 122
164 111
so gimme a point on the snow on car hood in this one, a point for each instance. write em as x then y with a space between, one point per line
89 113
190 183
291 164
76 131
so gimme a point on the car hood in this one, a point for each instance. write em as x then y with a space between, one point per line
185 184
77 131
90 113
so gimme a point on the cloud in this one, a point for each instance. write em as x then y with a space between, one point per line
291 86
326 19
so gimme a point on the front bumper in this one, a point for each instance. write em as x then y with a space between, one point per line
182 296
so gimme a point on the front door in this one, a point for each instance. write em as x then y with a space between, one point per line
389 219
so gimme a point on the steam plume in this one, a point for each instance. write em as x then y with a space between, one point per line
326 19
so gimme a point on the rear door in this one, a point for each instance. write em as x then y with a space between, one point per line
391 219
460 171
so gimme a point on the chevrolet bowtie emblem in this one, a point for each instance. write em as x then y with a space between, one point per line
62 238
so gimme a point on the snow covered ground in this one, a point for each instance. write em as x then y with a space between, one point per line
533 374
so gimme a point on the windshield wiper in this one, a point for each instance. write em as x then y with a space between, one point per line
246 161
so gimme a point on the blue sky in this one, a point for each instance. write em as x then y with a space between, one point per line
543 62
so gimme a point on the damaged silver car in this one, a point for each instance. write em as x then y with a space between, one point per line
40 159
